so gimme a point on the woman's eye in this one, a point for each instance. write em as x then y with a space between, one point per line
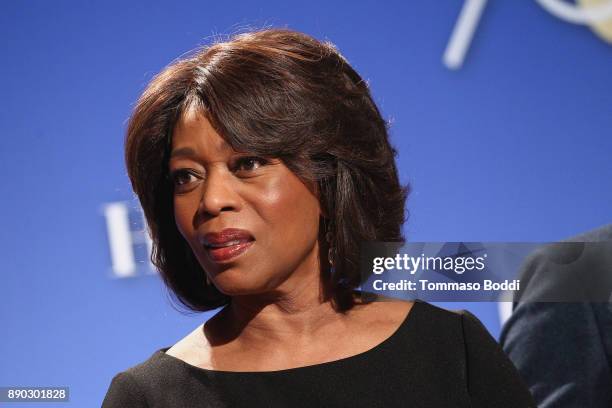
249 163
182 177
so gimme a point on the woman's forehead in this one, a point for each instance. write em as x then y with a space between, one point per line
192 121
194 130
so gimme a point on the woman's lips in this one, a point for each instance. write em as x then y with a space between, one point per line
227 244
225 253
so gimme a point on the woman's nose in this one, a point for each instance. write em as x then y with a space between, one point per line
219 193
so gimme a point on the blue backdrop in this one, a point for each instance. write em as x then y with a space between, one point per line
513 145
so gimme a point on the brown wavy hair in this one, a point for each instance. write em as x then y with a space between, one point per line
275 93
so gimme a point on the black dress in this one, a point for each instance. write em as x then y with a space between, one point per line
436 358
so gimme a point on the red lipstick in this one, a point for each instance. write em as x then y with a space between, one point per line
227 244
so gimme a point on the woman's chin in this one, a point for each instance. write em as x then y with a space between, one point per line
242 288
245 287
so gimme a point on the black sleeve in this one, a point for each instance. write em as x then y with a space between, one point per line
492 379
124 392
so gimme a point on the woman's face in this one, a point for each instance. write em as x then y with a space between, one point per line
217 189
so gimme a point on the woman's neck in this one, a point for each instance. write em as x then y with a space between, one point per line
277 319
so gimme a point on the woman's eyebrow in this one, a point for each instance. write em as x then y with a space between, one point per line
183 151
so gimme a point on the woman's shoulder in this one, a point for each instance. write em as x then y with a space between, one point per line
435 314
154 374
490 377
161 378
140 383
424 326
382 310
190 348
462 323
427 316
458 326
432 332
150 372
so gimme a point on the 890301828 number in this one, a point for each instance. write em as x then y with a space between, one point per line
39 394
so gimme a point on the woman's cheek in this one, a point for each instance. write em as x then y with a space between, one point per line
183 218
288 207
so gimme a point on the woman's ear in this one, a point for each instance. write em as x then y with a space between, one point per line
322 209
323 212
316 191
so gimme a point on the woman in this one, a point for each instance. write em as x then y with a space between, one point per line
261 163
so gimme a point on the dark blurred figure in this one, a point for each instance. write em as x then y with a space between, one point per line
560 333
